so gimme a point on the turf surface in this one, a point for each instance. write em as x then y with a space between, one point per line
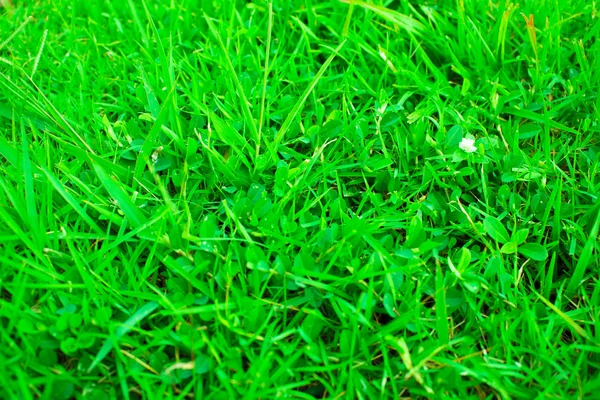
299 199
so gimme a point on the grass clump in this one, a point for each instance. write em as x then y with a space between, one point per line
311 199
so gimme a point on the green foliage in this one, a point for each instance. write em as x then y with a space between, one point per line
303 199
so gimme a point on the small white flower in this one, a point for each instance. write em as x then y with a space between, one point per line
468 145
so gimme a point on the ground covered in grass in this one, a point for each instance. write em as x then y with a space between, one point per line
301 199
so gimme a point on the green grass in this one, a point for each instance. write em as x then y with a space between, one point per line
255 199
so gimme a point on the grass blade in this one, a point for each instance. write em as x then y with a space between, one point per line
586 255
300 103
249 120
136 318
131 211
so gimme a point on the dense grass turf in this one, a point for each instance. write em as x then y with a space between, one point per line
219 199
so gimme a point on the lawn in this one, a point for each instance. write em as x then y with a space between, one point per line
373 199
